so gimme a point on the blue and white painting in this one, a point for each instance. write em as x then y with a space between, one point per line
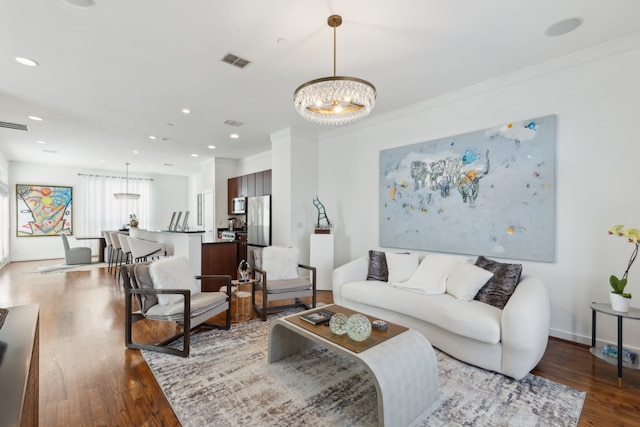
489 192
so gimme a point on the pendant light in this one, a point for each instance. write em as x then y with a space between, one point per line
127 195
335 100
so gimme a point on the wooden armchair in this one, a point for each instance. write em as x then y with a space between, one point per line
275 270
184 304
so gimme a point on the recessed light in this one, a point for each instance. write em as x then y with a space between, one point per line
211 147
234 136
40 142
152 137
80 3
563 27
36 118
194 155
186 110
26 61
135 151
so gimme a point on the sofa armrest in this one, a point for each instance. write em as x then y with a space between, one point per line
525 327
352 271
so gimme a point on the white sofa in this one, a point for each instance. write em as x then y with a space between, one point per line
510 341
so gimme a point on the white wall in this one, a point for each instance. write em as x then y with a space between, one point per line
169 193
596 97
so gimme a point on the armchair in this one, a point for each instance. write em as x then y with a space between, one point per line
275 270
166 290
77 255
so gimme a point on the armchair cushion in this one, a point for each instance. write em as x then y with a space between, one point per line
289 285
200 303
280 263
143 281
173 273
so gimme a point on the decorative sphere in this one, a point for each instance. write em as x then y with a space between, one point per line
358 327
338 324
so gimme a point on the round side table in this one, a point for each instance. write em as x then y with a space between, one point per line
242 293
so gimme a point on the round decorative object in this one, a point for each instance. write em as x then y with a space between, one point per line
338 324
358 327
380 325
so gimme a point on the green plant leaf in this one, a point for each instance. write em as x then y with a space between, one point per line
617 284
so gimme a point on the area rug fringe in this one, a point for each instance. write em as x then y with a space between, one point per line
227 381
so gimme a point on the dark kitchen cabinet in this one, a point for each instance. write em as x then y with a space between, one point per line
266 182
234 189
218 258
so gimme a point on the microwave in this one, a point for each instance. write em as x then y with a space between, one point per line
238 205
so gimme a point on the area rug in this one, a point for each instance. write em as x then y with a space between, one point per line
63 268
227 381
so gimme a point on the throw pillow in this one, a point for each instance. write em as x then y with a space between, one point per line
280 263
430 278
144 281
465 280
173 273
501 286
377 266
401 266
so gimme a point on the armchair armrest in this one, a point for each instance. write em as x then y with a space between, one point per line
313 270
224 277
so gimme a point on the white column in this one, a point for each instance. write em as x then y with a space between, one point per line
321 257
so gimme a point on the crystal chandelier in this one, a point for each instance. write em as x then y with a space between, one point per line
127 195
335 100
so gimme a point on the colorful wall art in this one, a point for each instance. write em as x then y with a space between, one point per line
489 192
43 210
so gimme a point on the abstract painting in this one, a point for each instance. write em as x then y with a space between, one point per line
43 210
489 192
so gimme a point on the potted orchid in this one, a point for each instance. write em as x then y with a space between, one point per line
133 220
620 300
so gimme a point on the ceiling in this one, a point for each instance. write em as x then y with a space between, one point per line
114 74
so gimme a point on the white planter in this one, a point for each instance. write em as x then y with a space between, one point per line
619 303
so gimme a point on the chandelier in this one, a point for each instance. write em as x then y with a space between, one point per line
127 195
335 100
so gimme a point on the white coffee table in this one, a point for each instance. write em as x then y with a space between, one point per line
403 368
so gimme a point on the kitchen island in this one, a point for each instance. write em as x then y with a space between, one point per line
187 244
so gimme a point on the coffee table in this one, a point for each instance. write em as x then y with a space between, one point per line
403 368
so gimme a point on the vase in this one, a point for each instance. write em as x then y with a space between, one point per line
133 223
619 303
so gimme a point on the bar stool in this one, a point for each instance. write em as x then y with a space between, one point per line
117 251
107 237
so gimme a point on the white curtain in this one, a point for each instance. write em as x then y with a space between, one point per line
103 212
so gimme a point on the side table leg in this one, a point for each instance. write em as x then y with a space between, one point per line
619 351
593 336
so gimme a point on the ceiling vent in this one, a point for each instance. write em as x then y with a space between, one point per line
235 60
15 126
233 123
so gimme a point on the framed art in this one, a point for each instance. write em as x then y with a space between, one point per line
489 192
43 210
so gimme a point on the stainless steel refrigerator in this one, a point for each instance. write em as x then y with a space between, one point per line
258 221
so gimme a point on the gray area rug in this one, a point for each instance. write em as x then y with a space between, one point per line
226 381
63 268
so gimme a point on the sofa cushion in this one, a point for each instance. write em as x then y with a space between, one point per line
499 289
401 266
465 280
377 266
280 263
173 273
471 319
430 278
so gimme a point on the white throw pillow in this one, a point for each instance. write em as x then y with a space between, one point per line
465 280
173 273
401 266
430 278
280 263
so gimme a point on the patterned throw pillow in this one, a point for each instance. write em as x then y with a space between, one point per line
502 285
378 266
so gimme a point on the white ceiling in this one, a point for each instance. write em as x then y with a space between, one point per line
111 75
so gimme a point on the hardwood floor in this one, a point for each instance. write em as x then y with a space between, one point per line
89 378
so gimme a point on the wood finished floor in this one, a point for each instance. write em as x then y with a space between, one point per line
88 377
